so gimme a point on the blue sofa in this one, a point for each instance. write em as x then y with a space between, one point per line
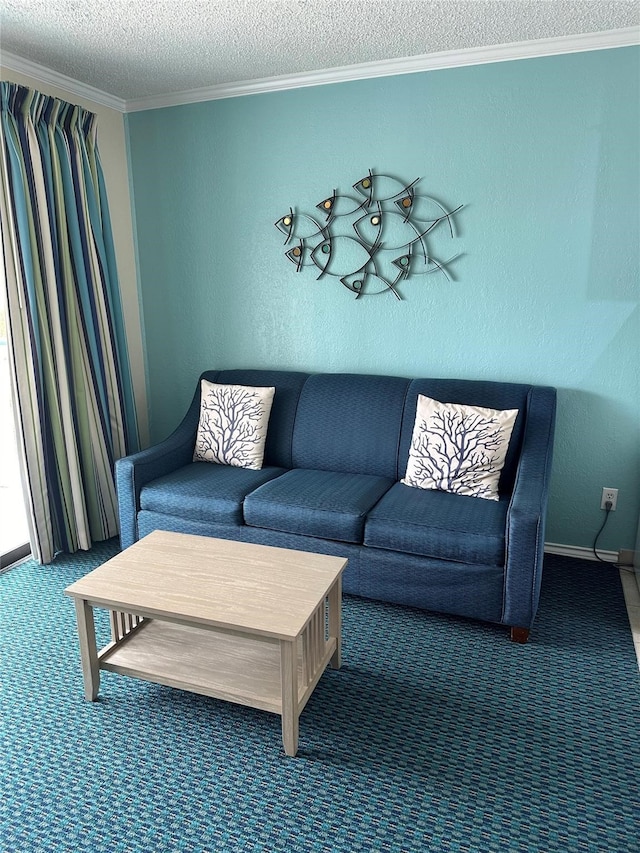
337 447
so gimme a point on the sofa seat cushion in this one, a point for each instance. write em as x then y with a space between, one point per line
439 524
204 491
327 504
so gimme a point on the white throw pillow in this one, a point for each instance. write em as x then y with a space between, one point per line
233 424
456 448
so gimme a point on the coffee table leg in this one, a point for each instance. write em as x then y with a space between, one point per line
335 622
289 688
88 650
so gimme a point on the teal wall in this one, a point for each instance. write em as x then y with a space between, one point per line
544 155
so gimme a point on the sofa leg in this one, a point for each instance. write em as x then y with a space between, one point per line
519 635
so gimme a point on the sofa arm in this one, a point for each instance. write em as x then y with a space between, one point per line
134 471
526 516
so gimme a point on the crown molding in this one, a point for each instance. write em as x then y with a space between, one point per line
605 40
625 37
12 62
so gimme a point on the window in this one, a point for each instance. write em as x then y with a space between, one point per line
14 533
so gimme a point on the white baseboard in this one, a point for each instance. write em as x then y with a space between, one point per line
579 553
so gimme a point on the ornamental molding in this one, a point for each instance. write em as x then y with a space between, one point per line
625 37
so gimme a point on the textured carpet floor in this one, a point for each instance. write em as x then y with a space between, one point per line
438 734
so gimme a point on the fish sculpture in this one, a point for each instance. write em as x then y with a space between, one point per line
370 283
340 205
421 209
342 256
299 225
382 187
373 241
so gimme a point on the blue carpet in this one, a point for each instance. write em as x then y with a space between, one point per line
438 734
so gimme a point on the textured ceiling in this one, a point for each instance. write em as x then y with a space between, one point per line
139 48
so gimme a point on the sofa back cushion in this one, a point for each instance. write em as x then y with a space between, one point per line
350 423
288 385
492 395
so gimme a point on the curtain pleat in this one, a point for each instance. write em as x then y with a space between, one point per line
68 351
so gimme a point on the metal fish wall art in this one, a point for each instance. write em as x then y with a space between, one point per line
372 238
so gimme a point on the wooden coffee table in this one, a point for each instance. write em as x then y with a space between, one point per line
246 623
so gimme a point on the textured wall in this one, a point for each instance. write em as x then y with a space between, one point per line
543 153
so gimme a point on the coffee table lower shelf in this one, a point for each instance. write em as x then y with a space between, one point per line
231 666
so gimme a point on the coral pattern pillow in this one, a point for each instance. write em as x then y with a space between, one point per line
456 448
233 424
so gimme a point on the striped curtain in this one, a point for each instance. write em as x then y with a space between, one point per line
68 354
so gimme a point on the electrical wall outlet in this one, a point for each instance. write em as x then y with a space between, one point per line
609 496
